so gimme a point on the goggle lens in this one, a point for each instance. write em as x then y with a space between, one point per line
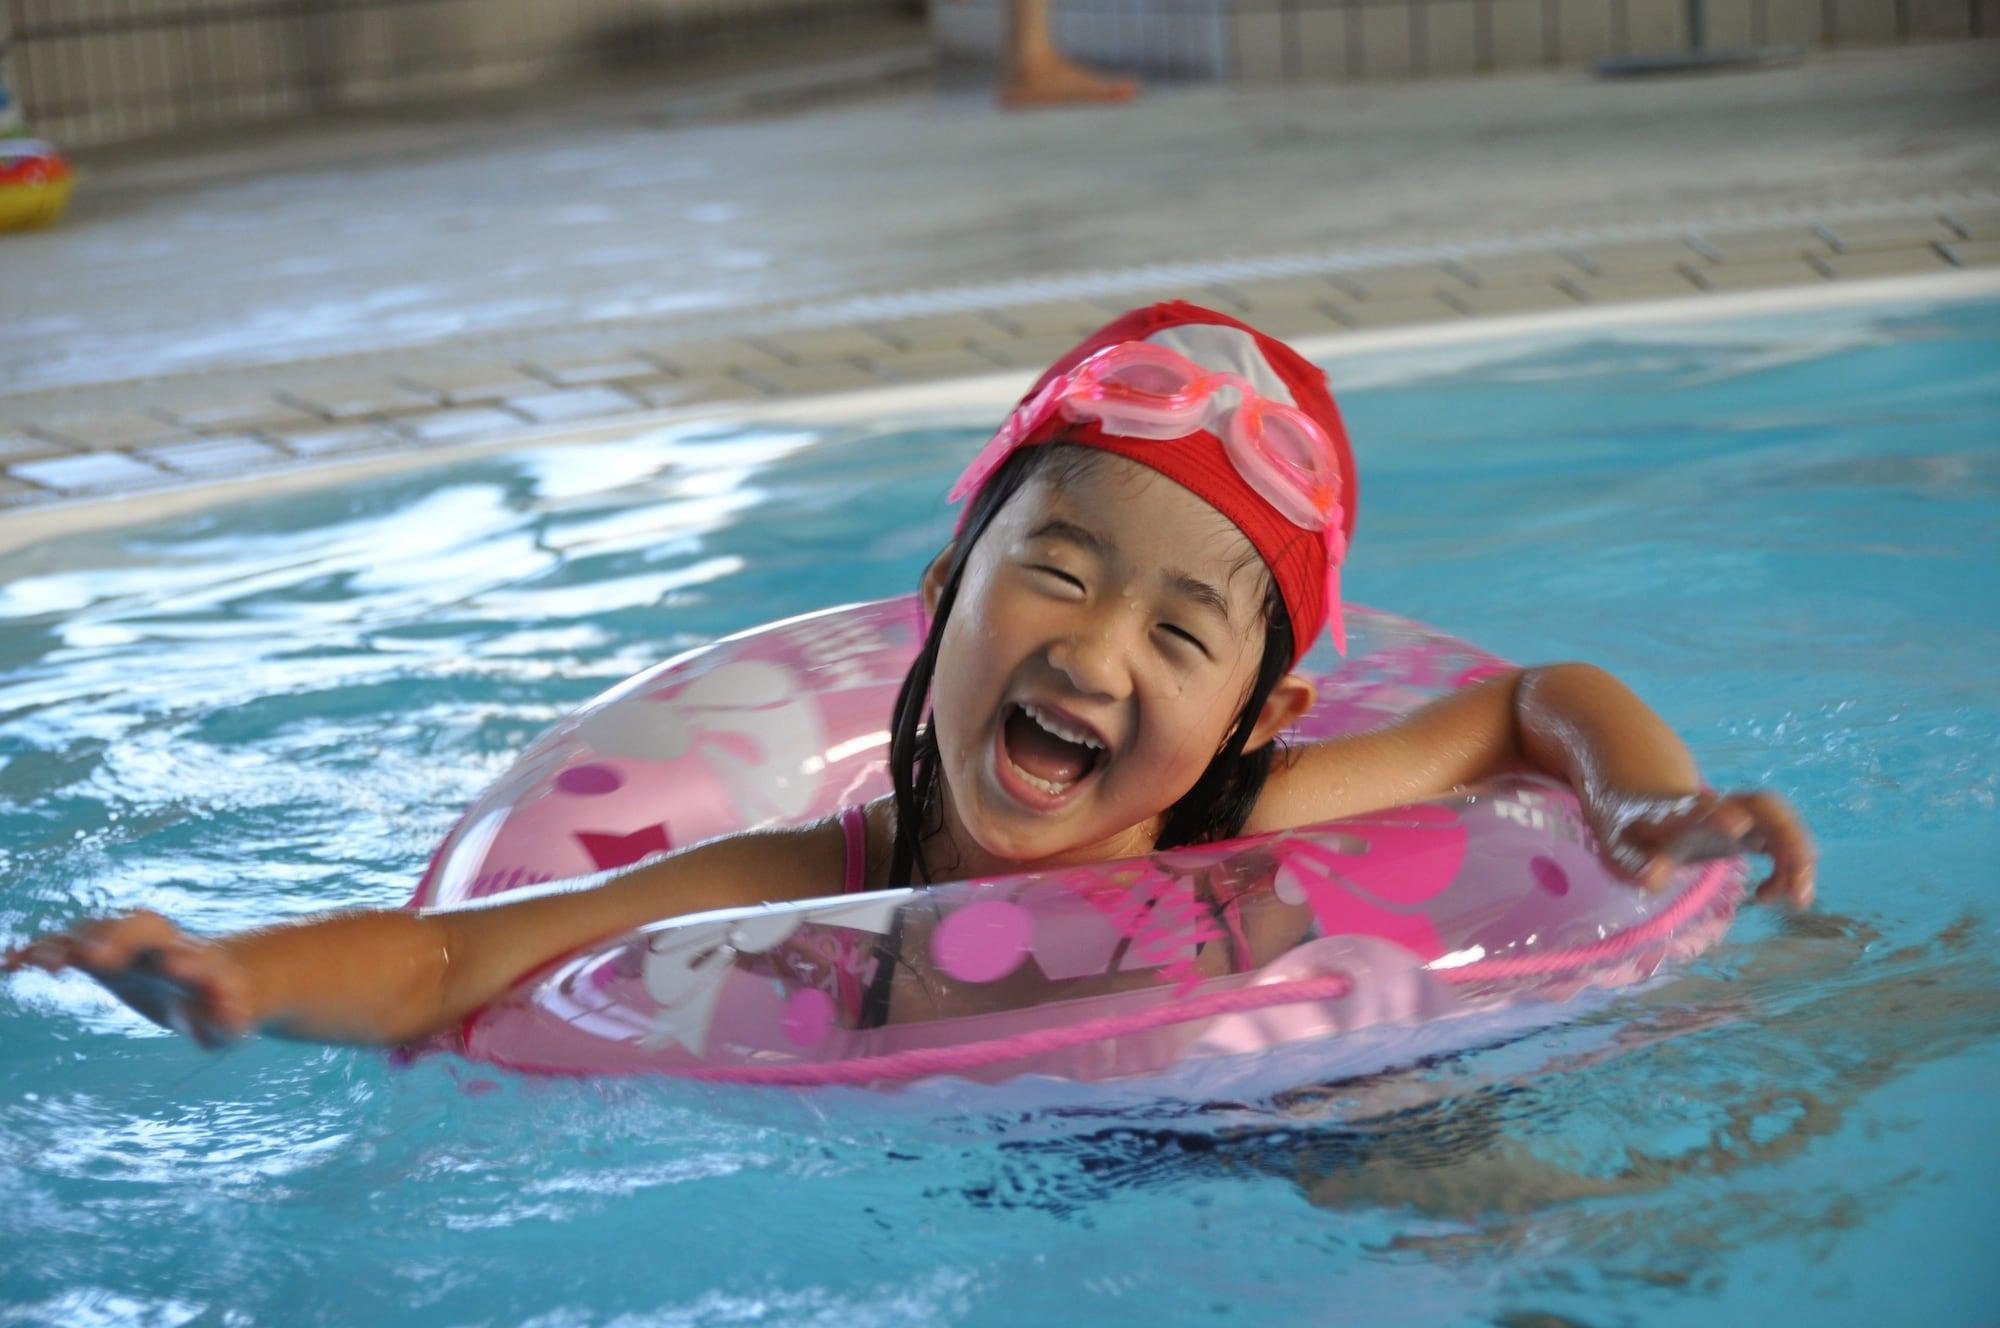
1287 443
1149 380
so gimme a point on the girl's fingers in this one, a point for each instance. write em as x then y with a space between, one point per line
1714 835
1791 888
102 944
51 954
112 942
1794 856
1765 823
144 960
1722 827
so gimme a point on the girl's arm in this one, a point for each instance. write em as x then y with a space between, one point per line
389 976
1635 778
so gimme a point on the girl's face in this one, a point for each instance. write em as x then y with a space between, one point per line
1107 631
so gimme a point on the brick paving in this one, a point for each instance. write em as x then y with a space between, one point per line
170 432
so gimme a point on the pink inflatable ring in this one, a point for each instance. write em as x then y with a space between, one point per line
1387 932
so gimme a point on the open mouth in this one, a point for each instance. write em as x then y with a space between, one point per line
1045 755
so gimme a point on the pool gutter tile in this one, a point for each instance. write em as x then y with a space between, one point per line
153 434
89 472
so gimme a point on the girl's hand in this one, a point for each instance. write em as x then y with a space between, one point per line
1648 837
175 980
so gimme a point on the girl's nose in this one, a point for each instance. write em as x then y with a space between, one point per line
1094 663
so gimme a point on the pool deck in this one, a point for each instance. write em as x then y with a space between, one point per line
633 255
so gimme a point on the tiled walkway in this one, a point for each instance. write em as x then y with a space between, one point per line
168 432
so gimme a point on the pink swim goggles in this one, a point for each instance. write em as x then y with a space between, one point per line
1141 390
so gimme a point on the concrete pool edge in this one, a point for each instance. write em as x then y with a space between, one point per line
949 400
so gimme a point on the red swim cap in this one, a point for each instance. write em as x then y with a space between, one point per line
1299 559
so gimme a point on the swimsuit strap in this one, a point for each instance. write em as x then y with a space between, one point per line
854 829
870 1008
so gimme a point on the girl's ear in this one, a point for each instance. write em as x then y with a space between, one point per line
935 577
1289 699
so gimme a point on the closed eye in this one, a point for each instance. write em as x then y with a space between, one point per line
1069 579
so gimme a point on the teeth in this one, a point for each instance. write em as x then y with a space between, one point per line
1048 786
1055 726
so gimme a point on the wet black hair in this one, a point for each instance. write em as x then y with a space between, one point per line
1218 805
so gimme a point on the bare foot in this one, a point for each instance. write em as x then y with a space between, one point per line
1060 82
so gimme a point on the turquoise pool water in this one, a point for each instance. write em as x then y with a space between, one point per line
1782 533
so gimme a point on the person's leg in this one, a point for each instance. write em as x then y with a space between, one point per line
1040 75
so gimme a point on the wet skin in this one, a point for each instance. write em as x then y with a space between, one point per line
1129 606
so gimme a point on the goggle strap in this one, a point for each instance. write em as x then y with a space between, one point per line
1335 623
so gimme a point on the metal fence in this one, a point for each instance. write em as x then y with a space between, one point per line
91 71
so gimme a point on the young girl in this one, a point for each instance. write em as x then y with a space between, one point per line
1152 543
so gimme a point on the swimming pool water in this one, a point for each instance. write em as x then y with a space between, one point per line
1782 533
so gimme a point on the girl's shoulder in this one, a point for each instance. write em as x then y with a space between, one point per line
812 860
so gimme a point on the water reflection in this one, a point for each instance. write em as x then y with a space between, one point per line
1684 1129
